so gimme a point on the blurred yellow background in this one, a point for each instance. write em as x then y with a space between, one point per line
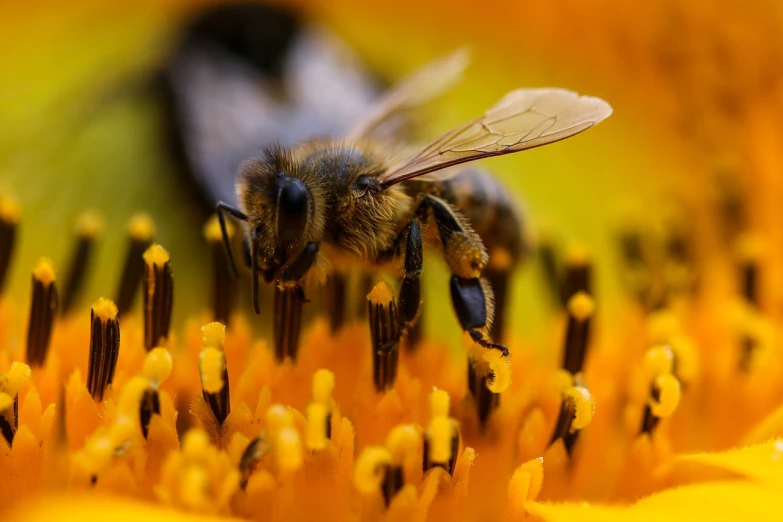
665 66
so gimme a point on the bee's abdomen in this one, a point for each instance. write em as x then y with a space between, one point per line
491 210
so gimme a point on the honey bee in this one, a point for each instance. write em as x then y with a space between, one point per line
365 199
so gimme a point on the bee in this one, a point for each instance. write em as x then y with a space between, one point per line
364 199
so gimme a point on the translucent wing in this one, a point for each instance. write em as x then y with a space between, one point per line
523 119
423 85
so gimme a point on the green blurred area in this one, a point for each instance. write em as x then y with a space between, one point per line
57 166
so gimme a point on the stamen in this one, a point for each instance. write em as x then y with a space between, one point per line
141 229
284 439
479 380
9 221
441 438
223 282
664 398
150 405
577 275
288 320
255 451
214 382
336 295
371 471
385 334
43 310
580 309
104 347
319 411
158 296
89 228
10 384
576 412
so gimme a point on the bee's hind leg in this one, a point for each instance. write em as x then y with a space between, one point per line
289 299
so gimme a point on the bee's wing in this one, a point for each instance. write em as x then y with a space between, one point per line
418 88
523 119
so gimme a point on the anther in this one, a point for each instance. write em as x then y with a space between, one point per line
319 411
254 452
158 290
577 275
580 310
748 250
141 229
441 438
284 439
665 393
9 221
374 471
223 282
150 405
480 378
214 382
89 228
385 334
10 384
289 300
42 312
104 347
576 412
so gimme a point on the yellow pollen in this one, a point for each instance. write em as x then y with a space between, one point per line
6 401
130 398
194 482
658 360
581 306
381 293
212 363
668 397
584 406
577 255
440 431
105 309
157 365
501 371
156 255
196 445
277 418
323 385
370 469
315 431
17 376
141 227
403 440
9 210
749 247
213 232
213 334
687 359
440 402
44 271
288 450
89 224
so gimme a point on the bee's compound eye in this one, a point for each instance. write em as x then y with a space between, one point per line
292 208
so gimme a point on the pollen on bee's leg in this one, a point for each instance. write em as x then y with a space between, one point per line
577 273
10 384
9 221
289 300
576 412
89 228
336 296
104 347
223 282
385 335
319 411
158 289
580 310
214 381
43 310
141 230
441 437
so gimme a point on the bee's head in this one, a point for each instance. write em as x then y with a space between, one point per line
280 205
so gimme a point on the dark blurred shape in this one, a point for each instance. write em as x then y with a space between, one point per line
243 75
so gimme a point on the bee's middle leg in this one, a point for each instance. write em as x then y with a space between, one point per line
466 257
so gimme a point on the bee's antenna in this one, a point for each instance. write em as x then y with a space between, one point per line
221 209
254 268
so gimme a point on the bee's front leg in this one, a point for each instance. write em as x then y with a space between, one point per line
289 298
